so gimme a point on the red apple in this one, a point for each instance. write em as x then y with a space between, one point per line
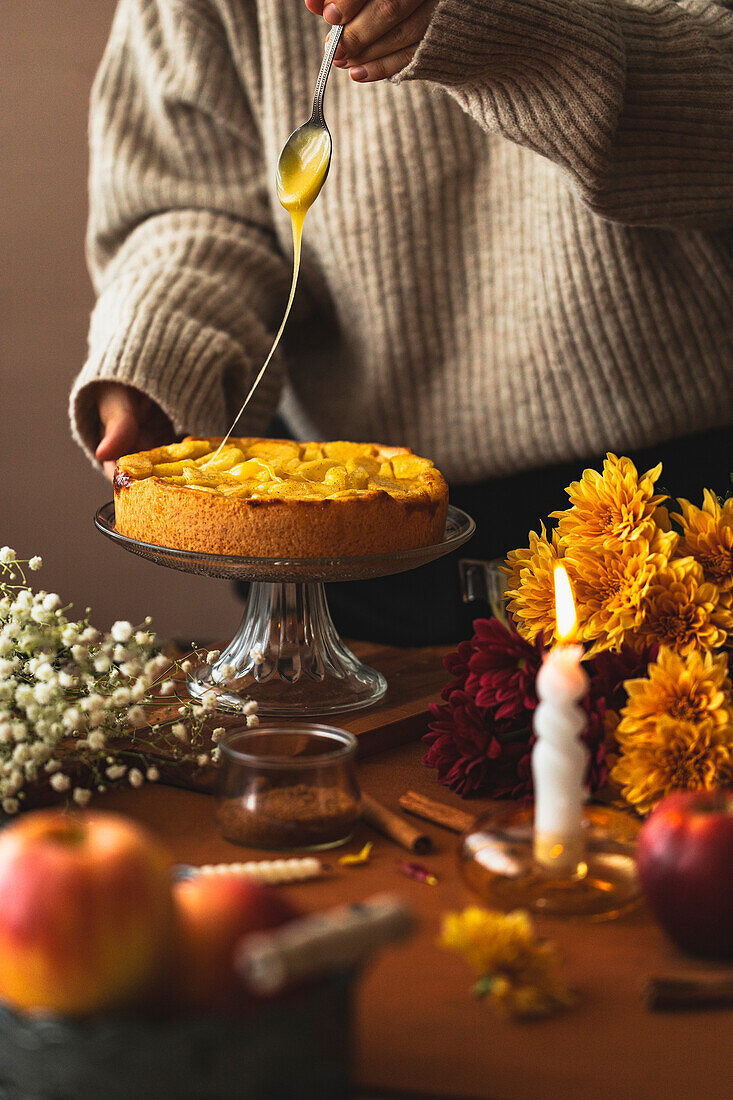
214 913
685 861
86 912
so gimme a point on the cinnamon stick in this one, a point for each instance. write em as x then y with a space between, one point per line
394 826
436 812
675 993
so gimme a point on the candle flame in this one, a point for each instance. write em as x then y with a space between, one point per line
565 616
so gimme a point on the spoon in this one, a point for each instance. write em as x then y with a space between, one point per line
306 155
301 173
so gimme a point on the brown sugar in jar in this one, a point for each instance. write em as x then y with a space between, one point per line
284 788
289 817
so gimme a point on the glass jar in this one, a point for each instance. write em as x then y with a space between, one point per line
288 788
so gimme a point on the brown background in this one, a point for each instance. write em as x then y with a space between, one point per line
49 52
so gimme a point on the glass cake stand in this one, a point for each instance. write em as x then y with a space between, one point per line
287 653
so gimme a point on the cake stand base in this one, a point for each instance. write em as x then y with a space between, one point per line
497 861
289 657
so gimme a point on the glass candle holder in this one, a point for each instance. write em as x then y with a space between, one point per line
288 788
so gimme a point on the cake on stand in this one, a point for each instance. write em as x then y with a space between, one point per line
287 653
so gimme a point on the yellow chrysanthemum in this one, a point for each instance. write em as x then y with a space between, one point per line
681 609
689 689
531 587
518 971
611 509
677 756
611 588
707 536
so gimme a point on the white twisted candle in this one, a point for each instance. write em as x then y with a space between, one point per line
559 760
271 871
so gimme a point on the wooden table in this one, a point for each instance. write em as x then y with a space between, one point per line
418 1029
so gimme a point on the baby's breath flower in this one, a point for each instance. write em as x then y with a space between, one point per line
82 796
209 700
168 687
252 721
115 771
51 602
203 759
256 655
152 774
35 563
96 740
122 631
156 665
136 716
11 805
131 668
216 755
43 693
217 734
213 655
187 666
102 663
121 697
44 671
135 777
179 730
226 672
60 782
250 707
80 653
7 555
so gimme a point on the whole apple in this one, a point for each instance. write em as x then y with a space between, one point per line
86 912
685 862
214 912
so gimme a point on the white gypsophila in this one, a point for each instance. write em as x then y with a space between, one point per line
66 682
249 707
7 555
213 655
252 721
122 631
35 563
136 716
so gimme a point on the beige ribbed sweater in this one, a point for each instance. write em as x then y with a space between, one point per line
523 252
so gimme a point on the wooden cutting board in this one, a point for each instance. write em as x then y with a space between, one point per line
415 678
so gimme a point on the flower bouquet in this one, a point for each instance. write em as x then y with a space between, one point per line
654 595
81 709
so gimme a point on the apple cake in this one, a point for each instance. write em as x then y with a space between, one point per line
270 498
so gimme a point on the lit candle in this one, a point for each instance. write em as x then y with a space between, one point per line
559 757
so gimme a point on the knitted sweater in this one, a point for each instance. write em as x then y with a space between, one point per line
523 253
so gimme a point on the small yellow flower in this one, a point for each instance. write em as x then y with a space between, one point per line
531 586
677 755
681 609
611 588
707 536
611 509
519 972
689 689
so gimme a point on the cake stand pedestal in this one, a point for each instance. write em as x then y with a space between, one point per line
287 653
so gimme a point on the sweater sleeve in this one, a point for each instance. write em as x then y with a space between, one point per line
181 247
633 99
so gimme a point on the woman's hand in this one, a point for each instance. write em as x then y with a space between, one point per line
130 422
380 36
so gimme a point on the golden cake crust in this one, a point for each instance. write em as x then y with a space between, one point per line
277 498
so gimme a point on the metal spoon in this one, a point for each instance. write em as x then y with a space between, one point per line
312 139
